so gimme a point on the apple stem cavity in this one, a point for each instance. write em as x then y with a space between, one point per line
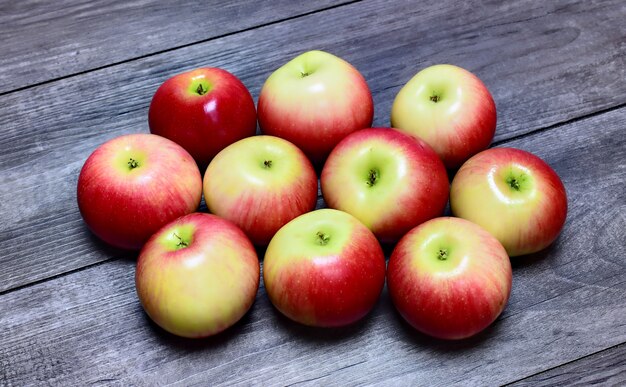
181 243
322 238
372 177
442 255
513 183
132 163
201 90
267 164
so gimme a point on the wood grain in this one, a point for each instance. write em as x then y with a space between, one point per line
607 368
524 51
44 40
567 302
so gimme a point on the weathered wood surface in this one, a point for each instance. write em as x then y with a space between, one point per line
44 40
543 65
605 368
68 311
567 302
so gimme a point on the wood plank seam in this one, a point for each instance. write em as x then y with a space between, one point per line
565 364
158 52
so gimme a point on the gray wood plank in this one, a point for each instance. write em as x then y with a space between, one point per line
43 40
607 368
567 302
524 51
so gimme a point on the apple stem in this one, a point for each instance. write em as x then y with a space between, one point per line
372 177
267 164
322 238
200 89
181 242
304 74
443 254
132 163
435 98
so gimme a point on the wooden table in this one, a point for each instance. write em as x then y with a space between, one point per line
74 74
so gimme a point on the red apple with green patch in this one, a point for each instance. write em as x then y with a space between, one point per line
314 101
514 195
324 269
449 278
197 276
203 110
449 108
388 180
132 185
260 183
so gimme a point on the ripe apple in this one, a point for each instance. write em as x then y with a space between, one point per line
450 109
388 180
203 110
314 101
449 278
133 185
514 195
324 269
197 276
260 183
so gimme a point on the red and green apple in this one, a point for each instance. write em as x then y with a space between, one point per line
260 183
197 276
132 185
514 195
203 110
388 180
449 278
449 108
314 101
324 269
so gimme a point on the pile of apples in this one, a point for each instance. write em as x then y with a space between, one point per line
198 274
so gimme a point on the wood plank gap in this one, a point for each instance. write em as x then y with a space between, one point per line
243 30
60 275
558 124
566 363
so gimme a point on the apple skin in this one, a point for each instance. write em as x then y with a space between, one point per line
124 206
260 183
324 269
203 121
317 110
197 276
411 185
455 297
524 220
461 122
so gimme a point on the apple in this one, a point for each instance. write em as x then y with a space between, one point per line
324 269
314 101
449 278
197 276
388 180
514 195
203 110
260 183
132 185
449 108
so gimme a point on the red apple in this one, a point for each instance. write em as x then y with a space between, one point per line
197 276
449 108
203 110
314 101
449 278
324 269
132 185
388 180
260 183
514 195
